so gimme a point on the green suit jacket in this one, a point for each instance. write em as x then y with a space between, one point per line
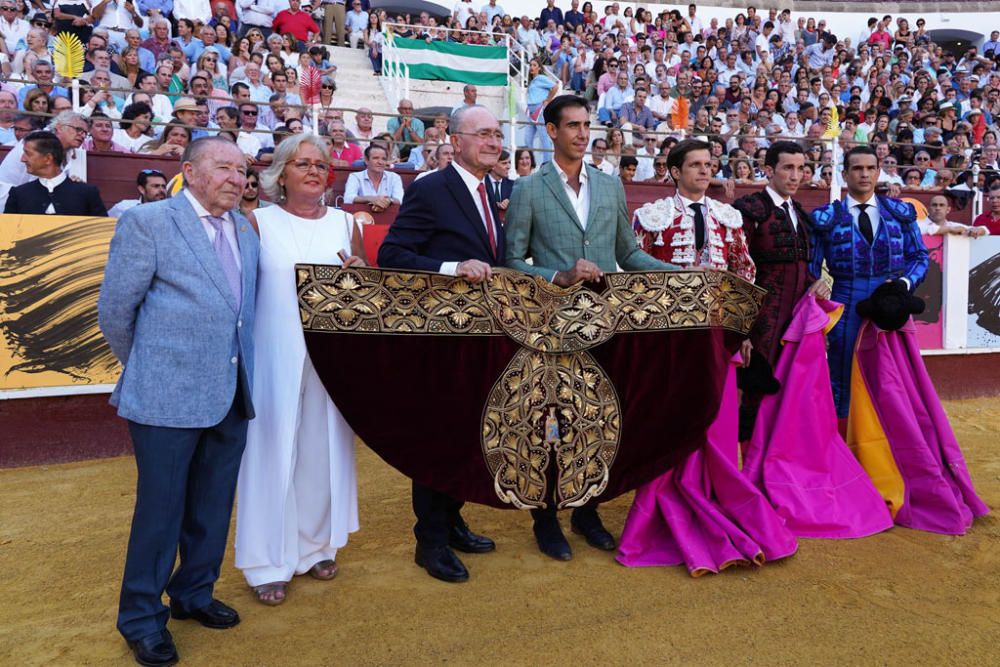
541 224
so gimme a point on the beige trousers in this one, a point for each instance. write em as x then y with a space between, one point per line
334 13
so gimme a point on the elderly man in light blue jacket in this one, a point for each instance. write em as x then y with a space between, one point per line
177 309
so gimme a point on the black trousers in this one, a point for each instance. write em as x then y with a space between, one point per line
183 503
436 512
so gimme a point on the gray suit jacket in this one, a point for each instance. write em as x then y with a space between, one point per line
541 224
170 317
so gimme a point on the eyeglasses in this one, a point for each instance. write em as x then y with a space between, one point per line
306 166
151 172
660 164
485 135
78 130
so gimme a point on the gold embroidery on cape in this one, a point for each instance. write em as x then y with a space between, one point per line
552 373
675 300
547 318
514 437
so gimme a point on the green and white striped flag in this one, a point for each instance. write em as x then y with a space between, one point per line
450 61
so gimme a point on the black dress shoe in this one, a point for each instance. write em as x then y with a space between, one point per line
466 541
587 522
215 614
550 538
155 650
441 563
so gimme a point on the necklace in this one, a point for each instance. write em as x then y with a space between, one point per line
301 257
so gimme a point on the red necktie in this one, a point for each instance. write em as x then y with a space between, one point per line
489 223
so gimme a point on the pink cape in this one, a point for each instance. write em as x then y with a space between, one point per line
704 513
938 495
796 455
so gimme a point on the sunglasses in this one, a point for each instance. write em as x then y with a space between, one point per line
249 113
251 184
152 172
326 87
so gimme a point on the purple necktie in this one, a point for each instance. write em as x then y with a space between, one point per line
226 258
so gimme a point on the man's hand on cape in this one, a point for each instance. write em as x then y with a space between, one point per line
584 269
474 271
820 289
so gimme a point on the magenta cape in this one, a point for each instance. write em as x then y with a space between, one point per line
704 513
937 492
796 455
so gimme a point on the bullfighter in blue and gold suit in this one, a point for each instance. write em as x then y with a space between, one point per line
866 240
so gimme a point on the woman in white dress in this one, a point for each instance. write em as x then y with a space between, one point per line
297 494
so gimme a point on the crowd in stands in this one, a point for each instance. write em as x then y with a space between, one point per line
159 73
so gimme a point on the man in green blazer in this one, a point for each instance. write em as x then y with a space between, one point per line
571 220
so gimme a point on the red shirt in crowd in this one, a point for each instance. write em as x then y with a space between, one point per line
349 154
299 23
986 219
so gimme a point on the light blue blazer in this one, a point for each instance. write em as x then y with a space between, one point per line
169 316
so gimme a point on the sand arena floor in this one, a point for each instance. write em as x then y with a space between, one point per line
899 598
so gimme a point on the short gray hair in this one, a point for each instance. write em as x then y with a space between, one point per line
197 149
67 117
283 154
455 121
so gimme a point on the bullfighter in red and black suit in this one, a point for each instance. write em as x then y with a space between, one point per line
776 228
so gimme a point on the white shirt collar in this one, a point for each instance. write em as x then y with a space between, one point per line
776 198
51 184
470 180
871 201
200 210
687 202
564 177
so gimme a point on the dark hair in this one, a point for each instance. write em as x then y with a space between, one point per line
504 155
779 148
47 143
230 112
373 146
238 86
679 152
860 149
628 161
519 152
133 111
553 110
147 174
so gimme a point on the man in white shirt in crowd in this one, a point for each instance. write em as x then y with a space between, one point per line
937 223
662 105
361 131
598 149
443 155
469 95
355 23
151 185
8 111
250 122
462 11
258 14
645 155
117 17
492 9
374 185
12 26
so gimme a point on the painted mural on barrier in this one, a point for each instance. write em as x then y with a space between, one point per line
930 323
50 276
984 293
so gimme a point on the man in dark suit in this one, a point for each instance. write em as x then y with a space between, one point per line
54 193
449 223
500 186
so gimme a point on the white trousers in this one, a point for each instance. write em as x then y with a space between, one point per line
309 502
355 37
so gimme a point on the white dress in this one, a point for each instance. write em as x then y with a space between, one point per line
297 493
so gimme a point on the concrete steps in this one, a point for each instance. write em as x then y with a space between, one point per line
357 86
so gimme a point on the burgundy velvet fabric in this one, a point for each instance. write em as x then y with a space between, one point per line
418 401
